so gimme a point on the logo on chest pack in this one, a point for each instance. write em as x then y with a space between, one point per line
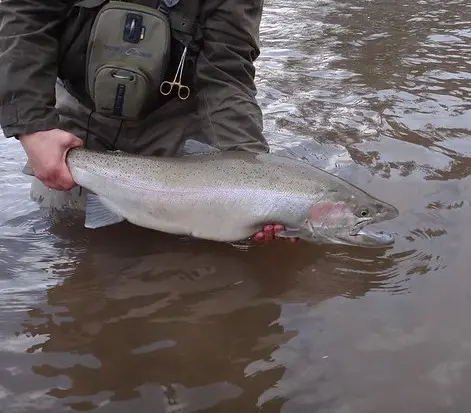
128 51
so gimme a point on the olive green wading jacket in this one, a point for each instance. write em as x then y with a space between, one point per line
42 40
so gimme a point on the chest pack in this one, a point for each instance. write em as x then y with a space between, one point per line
128 54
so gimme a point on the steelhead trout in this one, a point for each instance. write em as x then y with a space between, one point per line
227 196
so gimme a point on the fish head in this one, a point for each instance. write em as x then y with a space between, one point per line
342 220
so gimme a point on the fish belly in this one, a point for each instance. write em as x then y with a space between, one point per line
221 215
210 211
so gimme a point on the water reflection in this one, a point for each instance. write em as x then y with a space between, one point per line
150 313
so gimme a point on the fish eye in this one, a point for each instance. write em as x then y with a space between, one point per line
364 212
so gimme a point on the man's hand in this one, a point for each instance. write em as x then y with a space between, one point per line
46 153
268 233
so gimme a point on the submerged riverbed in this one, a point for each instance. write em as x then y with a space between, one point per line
125 319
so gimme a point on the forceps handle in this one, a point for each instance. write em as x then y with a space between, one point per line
166 87
183 92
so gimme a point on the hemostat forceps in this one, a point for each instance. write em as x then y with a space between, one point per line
183 91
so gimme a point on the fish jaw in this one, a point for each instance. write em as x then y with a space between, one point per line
343 236
365 238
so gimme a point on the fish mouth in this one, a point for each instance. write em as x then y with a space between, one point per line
369 238
359 236
360 225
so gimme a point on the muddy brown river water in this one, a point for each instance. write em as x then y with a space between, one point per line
126 319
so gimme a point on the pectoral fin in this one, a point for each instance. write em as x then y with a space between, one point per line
98 215
194 147
27 170
295 233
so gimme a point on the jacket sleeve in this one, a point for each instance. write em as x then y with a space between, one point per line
28 64
230 115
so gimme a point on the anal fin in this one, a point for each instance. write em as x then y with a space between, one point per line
98 215
295 233
28 170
